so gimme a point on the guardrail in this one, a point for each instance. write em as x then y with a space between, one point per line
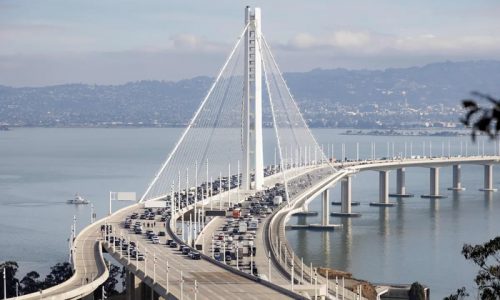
283 255
258 280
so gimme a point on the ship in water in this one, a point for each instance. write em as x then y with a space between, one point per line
78 200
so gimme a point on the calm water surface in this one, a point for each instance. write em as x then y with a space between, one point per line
419 239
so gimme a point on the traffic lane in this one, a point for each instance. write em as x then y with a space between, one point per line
232 285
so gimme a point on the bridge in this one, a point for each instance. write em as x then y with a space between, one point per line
218 166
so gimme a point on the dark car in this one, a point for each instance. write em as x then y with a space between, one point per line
161 233
173 244
186 250
169 241
195 255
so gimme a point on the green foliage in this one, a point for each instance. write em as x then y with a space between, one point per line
487 258
416 292
110 284
460 294
31 283
11 268
58 274
482 119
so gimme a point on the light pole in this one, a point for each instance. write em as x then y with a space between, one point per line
269 265
154 267
302 270
251 262
315 284
224 248
145 262
182 287
237 260
195 290
4 284
167 277
337 287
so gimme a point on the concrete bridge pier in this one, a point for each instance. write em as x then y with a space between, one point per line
383 192
133 287
457 183
325 216
400 184
306 212
488 179
325 220
434 185
345 198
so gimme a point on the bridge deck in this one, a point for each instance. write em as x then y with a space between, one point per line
213 282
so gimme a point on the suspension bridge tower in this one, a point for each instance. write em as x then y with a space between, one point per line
252 103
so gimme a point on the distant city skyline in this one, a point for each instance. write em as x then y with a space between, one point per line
111 42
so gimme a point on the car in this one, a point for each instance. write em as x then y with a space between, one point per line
140 257
194 255
169 241
186 250
161 233
217 256
155 240
173 244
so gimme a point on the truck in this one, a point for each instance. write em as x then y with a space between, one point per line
236 213
253 224
242 227
277 200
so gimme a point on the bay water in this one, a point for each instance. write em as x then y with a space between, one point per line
417 240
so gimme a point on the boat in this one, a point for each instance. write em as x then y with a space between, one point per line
78 200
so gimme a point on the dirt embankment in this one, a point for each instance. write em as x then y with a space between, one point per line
367 289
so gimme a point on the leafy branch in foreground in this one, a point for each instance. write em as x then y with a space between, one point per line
482 119
487 257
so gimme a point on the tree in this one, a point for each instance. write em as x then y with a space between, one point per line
482 119
10 271
58 274
460 294
31 283
110 283
416 292
487 257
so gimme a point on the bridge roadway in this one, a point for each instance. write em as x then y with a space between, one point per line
89 267
213 282
89 264
301 197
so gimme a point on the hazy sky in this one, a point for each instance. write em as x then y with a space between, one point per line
110 41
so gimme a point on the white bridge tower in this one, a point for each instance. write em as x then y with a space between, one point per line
252 103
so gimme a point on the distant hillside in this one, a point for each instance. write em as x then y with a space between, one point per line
444 83
172 103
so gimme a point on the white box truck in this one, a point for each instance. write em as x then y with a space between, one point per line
277 200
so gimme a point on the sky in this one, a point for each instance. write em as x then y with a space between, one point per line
112 42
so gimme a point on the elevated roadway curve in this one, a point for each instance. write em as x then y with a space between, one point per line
90 270
300 198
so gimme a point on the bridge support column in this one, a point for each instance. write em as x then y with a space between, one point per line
325 221
89 297
383 192
345 199
133 287
400 184
345 191
488 179
457 183
434 184
325 217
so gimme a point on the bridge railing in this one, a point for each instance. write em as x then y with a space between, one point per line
283 253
